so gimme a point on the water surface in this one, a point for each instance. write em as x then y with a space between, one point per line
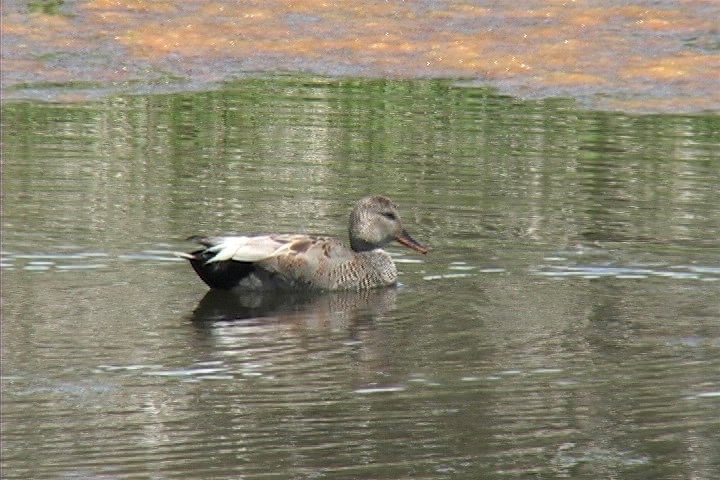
643 56
565 324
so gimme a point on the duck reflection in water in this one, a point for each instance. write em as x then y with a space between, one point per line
325 308
298 333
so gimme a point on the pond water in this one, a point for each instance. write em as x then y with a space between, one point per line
565 325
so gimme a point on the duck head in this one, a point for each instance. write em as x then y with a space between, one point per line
375 222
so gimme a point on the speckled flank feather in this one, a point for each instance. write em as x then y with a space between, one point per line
307 262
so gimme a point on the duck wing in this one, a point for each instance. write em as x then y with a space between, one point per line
262 261
263 247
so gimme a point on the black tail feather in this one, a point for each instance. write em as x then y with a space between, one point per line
219 275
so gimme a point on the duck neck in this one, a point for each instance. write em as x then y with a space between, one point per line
360 245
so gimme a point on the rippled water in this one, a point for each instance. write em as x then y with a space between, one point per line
566 323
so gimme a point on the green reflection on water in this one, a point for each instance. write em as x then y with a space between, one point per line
535 168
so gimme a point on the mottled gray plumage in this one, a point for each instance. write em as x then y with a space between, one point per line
295 261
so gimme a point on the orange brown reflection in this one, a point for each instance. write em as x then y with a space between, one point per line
543 45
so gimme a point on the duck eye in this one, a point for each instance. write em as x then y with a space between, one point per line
389 216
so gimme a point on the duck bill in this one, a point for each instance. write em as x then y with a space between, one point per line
405 239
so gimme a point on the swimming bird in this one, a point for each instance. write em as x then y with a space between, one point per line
308 262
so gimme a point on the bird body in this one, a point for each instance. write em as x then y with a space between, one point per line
298 261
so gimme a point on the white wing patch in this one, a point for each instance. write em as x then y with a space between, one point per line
246 249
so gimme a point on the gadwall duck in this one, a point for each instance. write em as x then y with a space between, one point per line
295 261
